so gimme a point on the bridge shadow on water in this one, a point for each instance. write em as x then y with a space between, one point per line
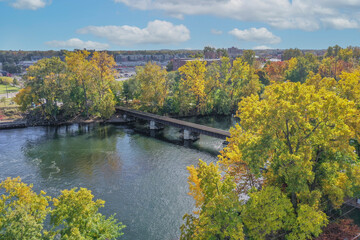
174 136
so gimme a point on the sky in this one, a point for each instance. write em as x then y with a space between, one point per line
178 24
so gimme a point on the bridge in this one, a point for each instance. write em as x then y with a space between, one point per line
191 130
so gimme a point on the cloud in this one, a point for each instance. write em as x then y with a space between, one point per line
309 15
262 47
75 43
156 32
28 4
260 35
216 32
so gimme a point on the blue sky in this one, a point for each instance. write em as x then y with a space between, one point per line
177 24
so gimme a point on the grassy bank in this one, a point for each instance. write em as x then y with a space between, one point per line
9 89
9 110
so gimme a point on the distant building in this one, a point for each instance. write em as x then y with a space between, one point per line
26 64
275 60
234 52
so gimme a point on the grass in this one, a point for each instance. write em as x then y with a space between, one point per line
9 88
9 110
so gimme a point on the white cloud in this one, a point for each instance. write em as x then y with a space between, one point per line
262 47
260 35
307 15
156 32
28 4
216 32
340 23
75 43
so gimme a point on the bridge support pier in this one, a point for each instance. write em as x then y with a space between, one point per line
188 135
155 126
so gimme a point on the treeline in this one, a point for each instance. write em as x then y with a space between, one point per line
291 162
81 85
196 88
199 87
11 59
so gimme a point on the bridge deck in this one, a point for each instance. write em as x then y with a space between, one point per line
193 127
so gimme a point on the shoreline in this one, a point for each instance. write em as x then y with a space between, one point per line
23 124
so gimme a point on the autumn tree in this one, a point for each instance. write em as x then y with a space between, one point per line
303 145
244 82
291 154
276 70
153 86
103 82
22 211
80 79
192 85
249 57
291 53
73 215
298 69
339 230
218 207
44 84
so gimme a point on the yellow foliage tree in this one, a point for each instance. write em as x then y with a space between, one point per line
297 140
192 85
153 86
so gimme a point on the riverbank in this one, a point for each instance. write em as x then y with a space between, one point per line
31 121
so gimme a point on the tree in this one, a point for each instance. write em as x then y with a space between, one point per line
298 70
22 211
170 66
300 137
6 81
341 229
276 70
153 86
80 79
103 99
249 57
73 215
44 83
267 212
219 207
291 155
291 53
192 85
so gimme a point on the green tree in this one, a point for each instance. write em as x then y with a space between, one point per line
75 216
291 53
6 81
44 83
249 57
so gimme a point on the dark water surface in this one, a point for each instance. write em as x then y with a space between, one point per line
142 179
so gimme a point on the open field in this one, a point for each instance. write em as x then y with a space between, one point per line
9 88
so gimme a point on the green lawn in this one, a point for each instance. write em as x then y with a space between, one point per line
10 89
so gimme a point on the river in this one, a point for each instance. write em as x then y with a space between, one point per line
143 179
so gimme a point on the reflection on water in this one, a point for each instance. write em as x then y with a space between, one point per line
142 179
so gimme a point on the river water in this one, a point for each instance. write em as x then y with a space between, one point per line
143 179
